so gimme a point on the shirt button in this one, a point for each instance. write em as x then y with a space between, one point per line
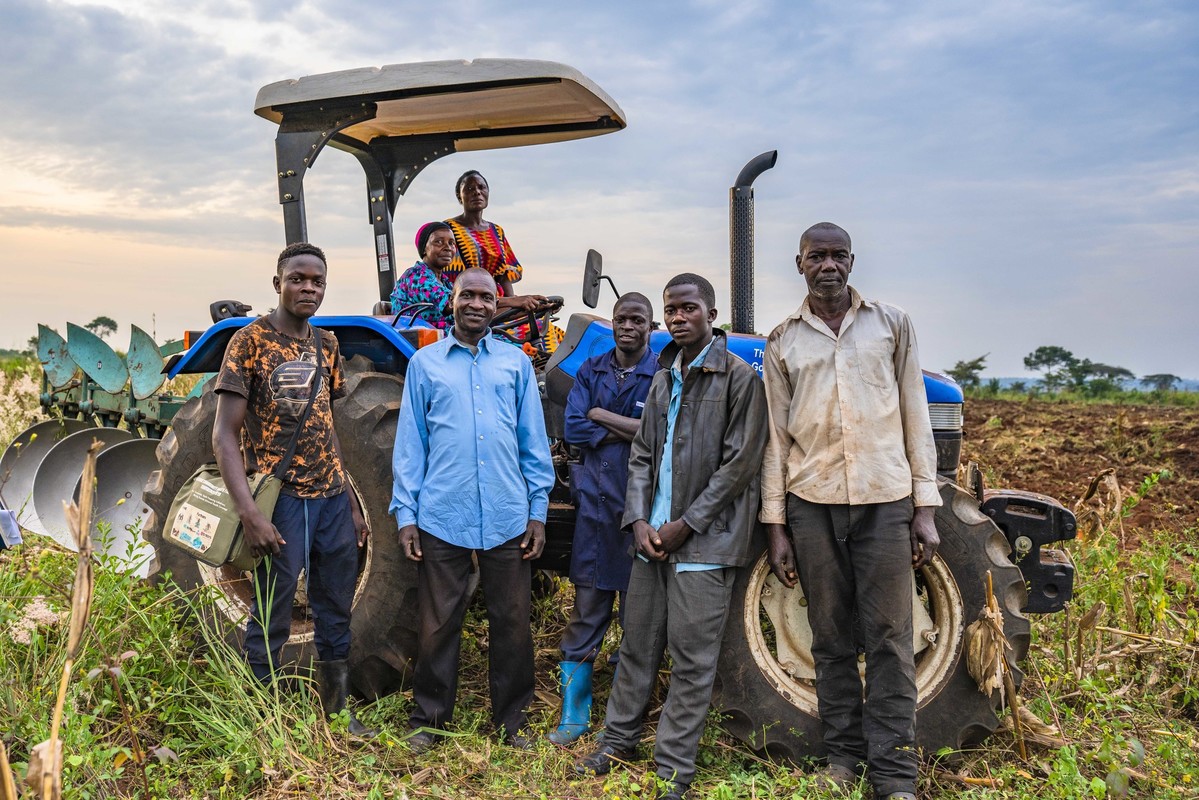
480 437
605 463
476 386
480 411
480 463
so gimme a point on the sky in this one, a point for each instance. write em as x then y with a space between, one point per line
1013 174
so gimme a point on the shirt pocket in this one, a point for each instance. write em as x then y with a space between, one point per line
876 366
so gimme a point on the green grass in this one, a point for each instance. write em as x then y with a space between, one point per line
225 737
1132 397
149 681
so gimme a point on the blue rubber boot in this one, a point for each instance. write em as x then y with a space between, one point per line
576 702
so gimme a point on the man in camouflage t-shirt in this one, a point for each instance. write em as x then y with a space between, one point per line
263 388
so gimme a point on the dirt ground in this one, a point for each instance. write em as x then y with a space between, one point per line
1058 449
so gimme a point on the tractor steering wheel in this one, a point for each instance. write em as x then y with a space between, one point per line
505 323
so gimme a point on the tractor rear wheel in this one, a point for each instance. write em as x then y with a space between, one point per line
383 624
765 684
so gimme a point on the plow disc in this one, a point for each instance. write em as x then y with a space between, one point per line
21 460
121 473
93 393
56 479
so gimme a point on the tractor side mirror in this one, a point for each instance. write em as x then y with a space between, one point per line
593 274
593 271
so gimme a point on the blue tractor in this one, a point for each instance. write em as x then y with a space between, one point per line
398 119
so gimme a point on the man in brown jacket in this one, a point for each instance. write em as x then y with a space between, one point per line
691 503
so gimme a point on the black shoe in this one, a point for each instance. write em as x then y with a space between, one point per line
333 684
520 741
675 791
420 742
599 761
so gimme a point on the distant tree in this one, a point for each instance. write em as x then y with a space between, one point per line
991 389
966 373
1108 372
102 326
1018 386
1161 382
1057 363
31 346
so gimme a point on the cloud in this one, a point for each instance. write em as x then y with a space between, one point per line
999 164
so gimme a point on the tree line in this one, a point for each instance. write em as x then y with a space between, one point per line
1062 371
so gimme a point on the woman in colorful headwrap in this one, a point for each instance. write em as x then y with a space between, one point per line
426 281
483 244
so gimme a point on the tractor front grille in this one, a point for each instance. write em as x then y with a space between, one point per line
945 416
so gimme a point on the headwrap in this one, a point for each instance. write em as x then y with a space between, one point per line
424 232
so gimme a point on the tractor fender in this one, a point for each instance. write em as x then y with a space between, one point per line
387 347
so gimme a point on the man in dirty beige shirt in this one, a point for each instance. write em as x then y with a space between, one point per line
848 496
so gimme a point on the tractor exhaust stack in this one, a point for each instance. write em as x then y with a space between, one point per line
741 240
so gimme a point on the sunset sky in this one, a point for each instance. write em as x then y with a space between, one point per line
1014 174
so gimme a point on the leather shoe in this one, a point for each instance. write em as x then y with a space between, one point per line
675 791
520 741
836 776
599 761
420 741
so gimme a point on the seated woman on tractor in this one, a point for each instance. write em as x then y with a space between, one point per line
426 282
483 244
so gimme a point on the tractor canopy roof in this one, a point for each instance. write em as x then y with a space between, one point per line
478 105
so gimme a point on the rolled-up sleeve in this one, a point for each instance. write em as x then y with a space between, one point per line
913 409
778 445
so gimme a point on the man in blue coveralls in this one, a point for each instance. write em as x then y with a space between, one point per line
603 412
472 475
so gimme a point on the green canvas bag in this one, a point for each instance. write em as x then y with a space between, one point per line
203 520
204 524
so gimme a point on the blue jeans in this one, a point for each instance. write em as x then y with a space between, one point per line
319 534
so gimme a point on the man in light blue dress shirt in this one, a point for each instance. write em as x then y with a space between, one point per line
472 476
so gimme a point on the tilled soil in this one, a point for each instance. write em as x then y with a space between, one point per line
1058 449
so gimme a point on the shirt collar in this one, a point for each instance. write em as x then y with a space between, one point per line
643 367
855 301
714 360
484 344
677 364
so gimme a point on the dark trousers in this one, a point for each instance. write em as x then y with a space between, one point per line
441 590
319 536
686 612
589 623
858 559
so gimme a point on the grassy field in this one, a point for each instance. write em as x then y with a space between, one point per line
158 710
